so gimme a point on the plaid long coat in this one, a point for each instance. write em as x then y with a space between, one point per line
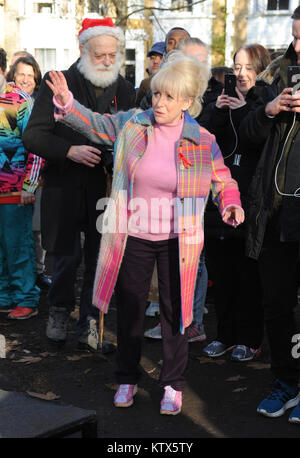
200 168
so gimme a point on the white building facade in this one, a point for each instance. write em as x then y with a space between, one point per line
196 19
269 23
48 31
48 28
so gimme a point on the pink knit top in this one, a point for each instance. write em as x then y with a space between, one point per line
151 210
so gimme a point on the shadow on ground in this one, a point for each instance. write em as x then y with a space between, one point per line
219 400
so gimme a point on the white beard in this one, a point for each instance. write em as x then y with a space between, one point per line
103 78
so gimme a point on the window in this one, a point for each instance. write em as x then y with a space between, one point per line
130 54
278 5
182 5
130 65
130 73
45 8
46 58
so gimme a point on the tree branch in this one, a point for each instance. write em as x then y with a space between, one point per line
153 8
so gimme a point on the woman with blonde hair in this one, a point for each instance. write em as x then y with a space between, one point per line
163 161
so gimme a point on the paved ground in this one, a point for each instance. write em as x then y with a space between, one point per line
219 401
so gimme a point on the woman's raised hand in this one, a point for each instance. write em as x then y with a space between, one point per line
59 87
238 101
222 101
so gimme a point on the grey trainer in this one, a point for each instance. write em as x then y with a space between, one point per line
57 326
90 340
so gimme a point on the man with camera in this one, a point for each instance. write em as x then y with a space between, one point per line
76 175
274 223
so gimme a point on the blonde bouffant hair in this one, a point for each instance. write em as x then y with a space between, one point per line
182 76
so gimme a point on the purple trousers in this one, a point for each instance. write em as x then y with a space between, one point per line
131 295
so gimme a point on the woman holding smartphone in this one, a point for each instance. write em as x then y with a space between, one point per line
239 312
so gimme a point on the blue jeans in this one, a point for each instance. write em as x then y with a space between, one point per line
17 257
200 292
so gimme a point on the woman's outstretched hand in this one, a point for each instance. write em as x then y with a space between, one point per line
233 216
59 87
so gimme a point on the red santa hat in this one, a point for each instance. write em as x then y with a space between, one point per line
94 27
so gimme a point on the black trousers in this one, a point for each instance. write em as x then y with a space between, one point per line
237 292
62 291
64 278
131 295
278 267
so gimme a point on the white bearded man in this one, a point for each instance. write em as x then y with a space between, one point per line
75 176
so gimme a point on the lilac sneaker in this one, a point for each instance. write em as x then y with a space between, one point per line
171 402
244 353
216 348
124 395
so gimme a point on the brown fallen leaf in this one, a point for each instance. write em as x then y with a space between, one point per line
78 357
47 353
47 397
28 359
235 378
152 370
73 358
111 386
204 360
258 365
15 342
238 390
11 344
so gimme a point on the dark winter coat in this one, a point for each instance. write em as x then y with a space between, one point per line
70 190
240 157
214 89
265 204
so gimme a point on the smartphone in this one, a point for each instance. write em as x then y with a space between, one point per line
230 84
293 77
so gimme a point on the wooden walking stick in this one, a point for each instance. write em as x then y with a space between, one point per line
105 345
101 328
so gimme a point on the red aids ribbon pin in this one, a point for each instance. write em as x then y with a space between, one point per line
185 161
